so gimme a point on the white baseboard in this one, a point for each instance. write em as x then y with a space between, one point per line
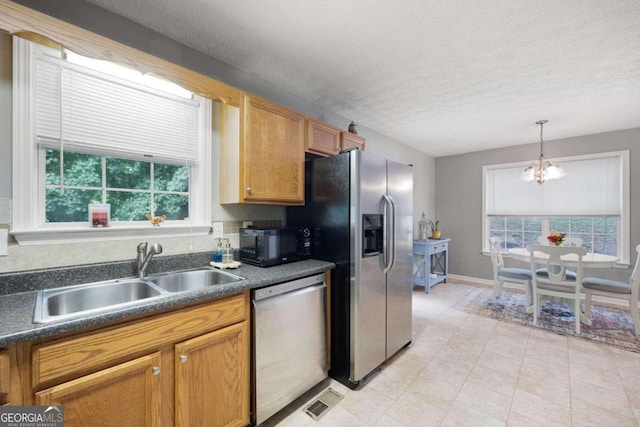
473 280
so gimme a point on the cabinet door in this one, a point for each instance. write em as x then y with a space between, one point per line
124 395
272 153
4 377
212 378
322 139
350 140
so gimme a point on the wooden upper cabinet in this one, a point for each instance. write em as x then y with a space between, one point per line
350 140
322 139
261 153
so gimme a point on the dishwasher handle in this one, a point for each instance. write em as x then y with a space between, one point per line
283 288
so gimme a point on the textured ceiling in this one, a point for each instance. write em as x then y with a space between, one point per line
446 77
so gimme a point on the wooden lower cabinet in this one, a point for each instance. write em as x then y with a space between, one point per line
211 379
5 377
187 367
126 395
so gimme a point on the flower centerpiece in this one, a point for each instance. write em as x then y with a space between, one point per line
556 237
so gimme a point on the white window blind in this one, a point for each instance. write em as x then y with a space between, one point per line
593 186
87 110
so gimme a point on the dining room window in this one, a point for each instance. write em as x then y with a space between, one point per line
590 203
599 234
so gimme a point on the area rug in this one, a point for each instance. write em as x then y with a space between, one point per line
609 325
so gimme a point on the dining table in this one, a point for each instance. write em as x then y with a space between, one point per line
590 260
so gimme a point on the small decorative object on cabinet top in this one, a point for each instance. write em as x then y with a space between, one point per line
352 128
435 233
422 228
556 237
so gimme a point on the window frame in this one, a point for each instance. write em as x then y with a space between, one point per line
624 223
28 187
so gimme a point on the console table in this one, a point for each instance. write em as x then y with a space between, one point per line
431 262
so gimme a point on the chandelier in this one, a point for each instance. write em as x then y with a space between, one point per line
542 170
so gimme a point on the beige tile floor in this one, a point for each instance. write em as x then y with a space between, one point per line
466 370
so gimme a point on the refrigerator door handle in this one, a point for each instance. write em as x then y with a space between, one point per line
390 227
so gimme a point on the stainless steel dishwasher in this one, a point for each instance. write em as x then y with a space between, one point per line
289 342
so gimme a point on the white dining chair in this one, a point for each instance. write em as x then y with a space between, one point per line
613 289
568 241
503 274
556 283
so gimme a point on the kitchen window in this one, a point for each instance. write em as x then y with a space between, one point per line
98 137
133 188
591 203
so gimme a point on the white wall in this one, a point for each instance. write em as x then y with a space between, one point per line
115 27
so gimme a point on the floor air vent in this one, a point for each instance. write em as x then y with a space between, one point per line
327 400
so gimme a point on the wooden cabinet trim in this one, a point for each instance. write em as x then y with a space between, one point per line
96 350
18 19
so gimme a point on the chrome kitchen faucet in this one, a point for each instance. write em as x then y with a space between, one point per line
144 256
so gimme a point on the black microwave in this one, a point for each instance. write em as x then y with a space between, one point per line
265 247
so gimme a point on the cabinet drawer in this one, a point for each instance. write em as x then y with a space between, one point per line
420 248
438 247
99 349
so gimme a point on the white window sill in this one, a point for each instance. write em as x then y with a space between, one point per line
75 235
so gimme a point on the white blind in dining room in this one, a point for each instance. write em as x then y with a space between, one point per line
89 110
592 186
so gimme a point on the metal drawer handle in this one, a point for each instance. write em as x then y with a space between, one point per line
155 370
183 358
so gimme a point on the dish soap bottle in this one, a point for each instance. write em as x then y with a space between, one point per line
227 253
422 227
217 255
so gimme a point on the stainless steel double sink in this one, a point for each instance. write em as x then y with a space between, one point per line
78 300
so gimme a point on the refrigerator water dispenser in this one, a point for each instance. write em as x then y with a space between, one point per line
371 235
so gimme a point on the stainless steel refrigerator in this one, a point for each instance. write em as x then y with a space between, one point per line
360 207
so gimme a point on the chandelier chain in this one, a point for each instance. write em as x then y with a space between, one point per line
541 123
541 140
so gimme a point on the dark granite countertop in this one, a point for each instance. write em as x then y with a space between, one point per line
16 309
